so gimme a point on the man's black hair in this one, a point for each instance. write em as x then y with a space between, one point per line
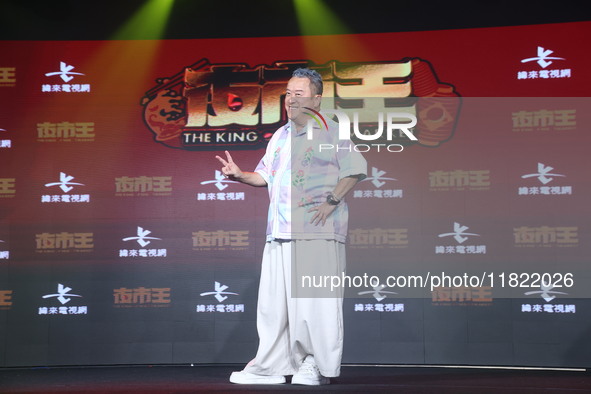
313 76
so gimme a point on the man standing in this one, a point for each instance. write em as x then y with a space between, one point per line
300 330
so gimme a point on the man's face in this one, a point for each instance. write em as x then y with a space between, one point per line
298 95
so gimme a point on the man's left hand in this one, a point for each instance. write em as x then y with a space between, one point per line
323 211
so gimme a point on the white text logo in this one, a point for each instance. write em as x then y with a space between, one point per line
64 183
543 59
218 293
459 233
544 175
219 181
62 292
142 237
378 292
65 72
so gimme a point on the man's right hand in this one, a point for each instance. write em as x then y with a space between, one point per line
233 172
230 169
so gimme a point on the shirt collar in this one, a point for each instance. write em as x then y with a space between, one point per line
302 131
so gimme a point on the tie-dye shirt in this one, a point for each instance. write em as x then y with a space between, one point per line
300 173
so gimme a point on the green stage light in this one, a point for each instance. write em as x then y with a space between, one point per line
315 18
148 23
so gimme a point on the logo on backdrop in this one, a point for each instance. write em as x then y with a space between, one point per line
546 237
7 187
142 297
379 294
544 120
65 132
378 179
220 294
221 240
143 239
234 106
7 77
544 176
143 186
460 235
5 300
66 75
378 238
4 252
548 294
221 183
462 296
64 242
5 143
66 185
63 296
459 180
542 62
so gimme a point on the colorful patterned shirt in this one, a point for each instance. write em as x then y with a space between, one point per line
300 173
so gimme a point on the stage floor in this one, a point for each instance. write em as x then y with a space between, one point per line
353 379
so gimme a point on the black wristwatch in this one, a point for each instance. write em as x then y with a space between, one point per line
332 200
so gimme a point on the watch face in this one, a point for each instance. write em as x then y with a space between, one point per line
331 200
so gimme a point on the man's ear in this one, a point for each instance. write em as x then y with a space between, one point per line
317 99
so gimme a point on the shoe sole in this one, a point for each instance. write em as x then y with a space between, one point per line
257 381
307 382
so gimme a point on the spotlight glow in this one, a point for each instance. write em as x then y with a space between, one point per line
148 23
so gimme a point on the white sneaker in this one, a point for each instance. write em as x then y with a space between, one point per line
243 377
309 374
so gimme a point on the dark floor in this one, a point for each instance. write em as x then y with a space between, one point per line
353 379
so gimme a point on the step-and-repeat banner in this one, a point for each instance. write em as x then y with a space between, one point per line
122 243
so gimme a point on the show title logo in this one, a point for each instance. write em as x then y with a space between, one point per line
233 106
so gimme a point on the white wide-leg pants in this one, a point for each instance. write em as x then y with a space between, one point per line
291 326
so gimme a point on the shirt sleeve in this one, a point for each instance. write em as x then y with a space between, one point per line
263 168
351 162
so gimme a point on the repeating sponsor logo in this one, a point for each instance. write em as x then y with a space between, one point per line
543 60
462 295
460 235
458 180
233 106
378 307
142 297
66 185
142 238
547 293
379 294
378 179
220 294
544 120
221 240
377 238
7 77
7 187
4 142
66 75
63 296
65 132
545 176
546 236
221 183
4 253
5 300
143 186
64 242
